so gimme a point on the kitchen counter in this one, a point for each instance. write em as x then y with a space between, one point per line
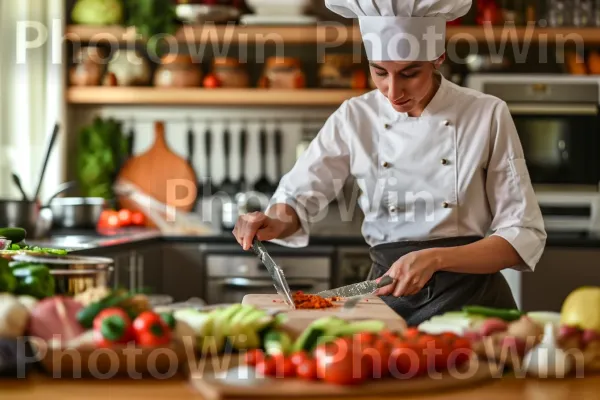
42 387
82 240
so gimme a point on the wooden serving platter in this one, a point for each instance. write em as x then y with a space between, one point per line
226 378
371 307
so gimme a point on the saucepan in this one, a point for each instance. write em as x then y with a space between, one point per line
30 215
77 212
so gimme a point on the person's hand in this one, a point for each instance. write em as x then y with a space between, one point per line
411 273
259 225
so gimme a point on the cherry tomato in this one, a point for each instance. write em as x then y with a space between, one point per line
407 360
388 336
449 336
337 364
137 218
365 338
307 369
125 217
299 357
284 367
378 356
412 333
253 356
266 366
461 352
109 219
211 81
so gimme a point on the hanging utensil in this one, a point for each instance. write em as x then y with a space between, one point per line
191 141
263 185
17 182
207 187
278 150
243 145
131 141
228 186
46 158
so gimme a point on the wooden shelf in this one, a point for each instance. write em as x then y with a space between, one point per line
329 33
208 97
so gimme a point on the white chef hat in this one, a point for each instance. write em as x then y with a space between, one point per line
402 30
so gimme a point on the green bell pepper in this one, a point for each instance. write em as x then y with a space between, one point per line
34 280
8 282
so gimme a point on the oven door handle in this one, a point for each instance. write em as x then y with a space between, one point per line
263 283
553 109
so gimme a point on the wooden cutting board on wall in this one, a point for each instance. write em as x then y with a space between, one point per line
162 174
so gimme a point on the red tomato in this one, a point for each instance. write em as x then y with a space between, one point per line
266 366
461 352
211 81
109 219
412 333
253 356
337 364
125 217
407 360
388 335
137 218
307 369
449 336
299 357
284 367
365 338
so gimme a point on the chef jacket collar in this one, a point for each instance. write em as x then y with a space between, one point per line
437 103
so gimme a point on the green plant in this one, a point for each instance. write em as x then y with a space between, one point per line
101 148
151 18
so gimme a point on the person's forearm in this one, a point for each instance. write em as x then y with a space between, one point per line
287 216
487 256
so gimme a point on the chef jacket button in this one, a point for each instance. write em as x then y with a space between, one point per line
385 164
393 209
445 204
387 126
444 161
446 122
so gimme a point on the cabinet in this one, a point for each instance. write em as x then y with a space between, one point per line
559 272
183 273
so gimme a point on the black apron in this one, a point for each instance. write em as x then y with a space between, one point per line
445 291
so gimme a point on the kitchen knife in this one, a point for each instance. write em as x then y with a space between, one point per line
276 272
357 289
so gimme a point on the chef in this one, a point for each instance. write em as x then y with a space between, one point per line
445 190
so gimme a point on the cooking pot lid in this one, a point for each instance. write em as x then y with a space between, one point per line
62 260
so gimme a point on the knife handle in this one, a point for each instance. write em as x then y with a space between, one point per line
386 280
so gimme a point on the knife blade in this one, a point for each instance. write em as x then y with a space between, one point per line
357 289
279 281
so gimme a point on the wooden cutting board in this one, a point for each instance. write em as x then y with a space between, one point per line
371 307
244 383
153 170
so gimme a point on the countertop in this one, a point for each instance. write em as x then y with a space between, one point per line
42 387
85 240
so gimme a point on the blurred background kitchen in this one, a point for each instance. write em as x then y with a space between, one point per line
83 94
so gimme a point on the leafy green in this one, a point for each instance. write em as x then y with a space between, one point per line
151 18
101 147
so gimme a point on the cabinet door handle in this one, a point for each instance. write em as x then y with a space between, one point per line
140 272
115 274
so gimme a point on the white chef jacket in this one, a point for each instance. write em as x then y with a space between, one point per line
457 170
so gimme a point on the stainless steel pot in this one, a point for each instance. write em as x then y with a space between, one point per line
77 212
30 215
242 203
73 274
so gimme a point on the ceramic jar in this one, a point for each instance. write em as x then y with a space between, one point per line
230 73
178 70
283 73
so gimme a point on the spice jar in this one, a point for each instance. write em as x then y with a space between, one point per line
339 71
177 70
230 73
283 73
89 67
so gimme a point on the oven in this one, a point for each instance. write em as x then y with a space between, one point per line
232 273
558 124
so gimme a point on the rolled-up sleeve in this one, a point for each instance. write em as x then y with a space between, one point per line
516 213
316 178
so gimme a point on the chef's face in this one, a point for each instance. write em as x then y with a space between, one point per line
409 86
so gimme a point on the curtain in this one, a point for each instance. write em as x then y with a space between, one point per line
31 93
